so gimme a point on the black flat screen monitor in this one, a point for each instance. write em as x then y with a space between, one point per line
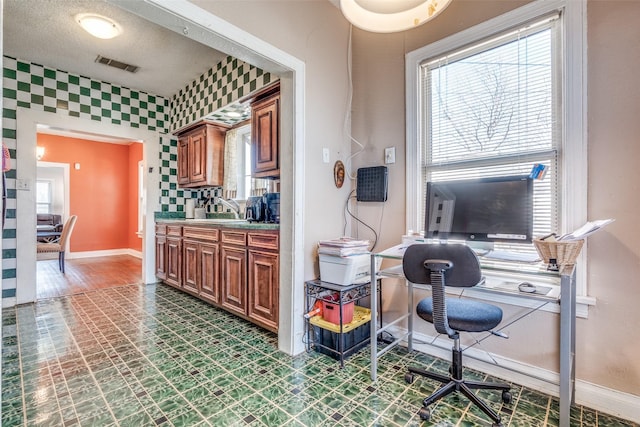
497 209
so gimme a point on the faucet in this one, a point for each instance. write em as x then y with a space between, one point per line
231 204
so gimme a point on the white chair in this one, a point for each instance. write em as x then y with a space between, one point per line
61 244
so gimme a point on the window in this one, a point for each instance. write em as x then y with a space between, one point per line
491 109
43 196
497 98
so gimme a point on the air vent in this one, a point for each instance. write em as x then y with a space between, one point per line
116 64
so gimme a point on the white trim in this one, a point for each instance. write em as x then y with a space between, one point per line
202 26
105 253
574 202
603 399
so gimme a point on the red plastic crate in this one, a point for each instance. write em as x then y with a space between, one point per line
331 312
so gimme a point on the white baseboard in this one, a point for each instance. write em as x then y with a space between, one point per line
613 402
109 252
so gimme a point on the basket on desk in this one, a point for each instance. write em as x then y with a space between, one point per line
564 253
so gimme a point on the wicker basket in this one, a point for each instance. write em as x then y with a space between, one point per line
564 253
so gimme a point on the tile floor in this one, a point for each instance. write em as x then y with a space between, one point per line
152 356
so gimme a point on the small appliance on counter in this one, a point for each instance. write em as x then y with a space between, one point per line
189 209
254 211
272 207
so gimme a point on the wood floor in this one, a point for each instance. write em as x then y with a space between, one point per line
86 274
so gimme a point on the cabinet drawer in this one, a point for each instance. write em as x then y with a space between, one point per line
202 233
234 237
174 230
264 240
161 229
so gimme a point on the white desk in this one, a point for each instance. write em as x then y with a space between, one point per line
567 324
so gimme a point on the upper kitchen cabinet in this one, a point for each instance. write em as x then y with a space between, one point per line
265 133
201 155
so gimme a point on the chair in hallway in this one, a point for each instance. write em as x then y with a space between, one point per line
456 265
60 245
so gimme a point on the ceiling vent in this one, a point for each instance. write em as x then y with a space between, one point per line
117 64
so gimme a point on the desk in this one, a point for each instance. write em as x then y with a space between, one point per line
567 326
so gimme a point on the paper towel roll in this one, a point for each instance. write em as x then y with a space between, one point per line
189 208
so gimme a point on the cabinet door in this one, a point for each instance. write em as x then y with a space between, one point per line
174 259
183 161
234 279
197 157
210 272
265 137
191 277
161 257
264 288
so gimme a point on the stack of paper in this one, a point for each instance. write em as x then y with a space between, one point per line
584 231
344 246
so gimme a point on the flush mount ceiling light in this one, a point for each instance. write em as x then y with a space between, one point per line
98 26
388 16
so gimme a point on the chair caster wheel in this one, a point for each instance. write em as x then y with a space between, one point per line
424 414
506 397
409 378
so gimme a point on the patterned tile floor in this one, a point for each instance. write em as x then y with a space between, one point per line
152 356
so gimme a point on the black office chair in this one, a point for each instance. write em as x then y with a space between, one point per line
458 266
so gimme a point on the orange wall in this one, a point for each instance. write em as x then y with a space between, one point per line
99 191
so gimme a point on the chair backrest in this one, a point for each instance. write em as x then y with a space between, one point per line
66 231
464 273
459 267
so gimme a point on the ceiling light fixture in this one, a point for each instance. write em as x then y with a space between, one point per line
98 26
388 16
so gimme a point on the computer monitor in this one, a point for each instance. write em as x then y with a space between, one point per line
497 209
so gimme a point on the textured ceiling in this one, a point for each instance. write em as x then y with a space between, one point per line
44 32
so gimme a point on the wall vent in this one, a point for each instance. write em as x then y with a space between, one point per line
117 64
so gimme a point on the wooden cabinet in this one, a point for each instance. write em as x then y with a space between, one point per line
174 256
265 137
264 277
161 251
233 255
235 269
201 155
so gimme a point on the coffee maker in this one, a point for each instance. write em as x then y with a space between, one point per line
255 209
272 207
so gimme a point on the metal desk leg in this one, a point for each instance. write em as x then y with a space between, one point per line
567 346
374 319
410 318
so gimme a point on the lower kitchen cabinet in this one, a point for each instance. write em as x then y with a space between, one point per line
234 279
235 269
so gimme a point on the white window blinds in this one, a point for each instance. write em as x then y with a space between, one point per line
493 109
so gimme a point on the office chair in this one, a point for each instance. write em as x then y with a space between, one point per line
441 265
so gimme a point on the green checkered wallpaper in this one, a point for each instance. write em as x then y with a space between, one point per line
34 86
223 84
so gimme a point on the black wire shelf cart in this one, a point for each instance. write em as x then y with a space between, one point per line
339 340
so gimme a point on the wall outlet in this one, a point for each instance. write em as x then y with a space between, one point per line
325 155
23 184
389 155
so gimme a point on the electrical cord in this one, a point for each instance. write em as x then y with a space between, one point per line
375 242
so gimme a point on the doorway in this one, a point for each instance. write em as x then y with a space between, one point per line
97 180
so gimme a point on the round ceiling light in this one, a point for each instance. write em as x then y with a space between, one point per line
98 26
388 16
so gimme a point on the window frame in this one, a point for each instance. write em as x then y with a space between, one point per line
572 168
49 204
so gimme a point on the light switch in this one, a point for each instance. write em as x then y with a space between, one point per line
325 155
389 155
23 184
